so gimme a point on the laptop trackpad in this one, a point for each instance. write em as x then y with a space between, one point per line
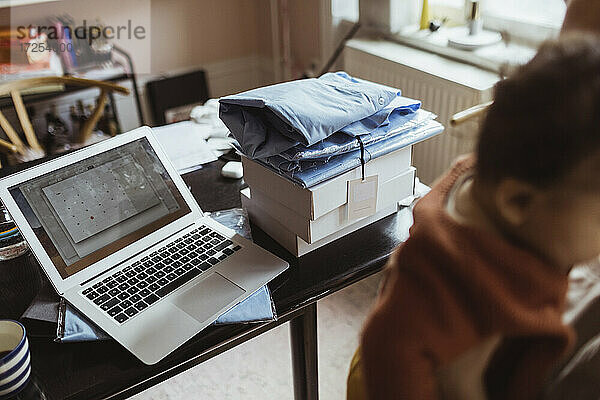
207 298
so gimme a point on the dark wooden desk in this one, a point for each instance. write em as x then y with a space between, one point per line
106 370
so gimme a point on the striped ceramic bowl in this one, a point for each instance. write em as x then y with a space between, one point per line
15 366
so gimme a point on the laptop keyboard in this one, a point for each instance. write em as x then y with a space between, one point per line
130 291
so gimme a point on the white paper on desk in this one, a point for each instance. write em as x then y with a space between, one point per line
185 144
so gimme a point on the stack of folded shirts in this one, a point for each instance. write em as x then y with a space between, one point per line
304 141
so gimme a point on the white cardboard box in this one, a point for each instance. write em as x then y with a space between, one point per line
320 199
290 240
389 193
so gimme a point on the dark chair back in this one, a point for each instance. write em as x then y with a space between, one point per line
176 91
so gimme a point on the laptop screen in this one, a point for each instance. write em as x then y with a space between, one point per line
88 210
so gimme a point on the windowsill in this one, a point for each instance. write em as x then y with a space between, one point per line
452 71
16 3
496 58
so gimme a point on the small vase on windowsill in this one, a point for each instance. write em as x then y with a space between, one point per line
424 23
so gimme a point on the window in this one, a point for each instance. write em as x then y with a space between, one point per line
344 9
531 19
524 24
537 12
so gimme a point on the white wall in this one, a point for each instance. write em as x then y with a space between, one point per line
183 33
230 39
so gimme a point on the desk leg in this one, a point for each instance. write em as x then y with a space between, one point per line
303 332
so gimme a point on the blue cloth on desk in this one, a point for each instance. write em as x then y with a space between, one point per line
340 143
79 329
256 308
269 120
308 173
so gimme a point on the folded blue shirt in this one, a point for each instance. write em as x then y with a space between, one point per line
269 120
400 106
308 173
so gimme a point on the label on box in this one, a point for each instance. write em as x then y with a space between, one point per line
362 197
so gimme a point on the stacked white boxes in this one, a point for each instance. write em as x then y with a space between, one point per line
304 219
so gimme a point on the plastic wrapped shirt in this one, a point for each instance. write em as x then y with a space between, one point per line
310 172
269 120
340 142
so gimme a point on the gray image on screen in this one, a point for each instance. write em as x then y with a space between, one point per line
101 197
122 189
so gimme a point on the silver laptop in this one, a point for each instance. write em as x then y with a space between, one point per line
122 239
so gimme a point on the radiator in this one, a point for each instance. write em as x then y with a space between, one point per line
444 87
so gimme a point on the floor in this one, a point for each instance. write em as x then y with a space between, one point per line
261 367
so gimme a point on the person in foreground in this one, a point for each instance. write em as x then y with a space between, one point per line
472 302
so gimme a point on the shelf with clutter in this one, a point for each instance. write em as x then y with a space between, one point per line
17 149
41 72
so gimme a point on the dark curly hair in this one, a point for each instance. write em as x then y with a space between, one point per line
545 118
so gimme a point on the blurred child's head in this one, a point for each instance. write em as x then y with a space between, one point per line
538 156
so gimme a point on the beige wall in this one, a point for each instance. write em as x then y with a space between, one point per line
196 32
184 33
263 22
232 39
305 34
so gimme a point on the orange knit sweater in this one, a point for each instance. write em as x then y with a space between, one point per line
449 287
